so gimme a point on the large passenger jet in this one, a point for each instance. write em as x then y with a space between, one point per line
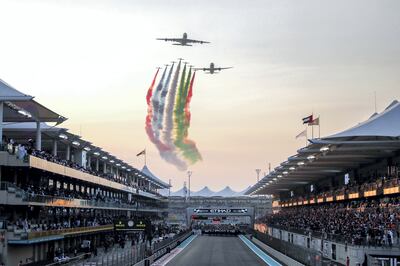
184 41
212 69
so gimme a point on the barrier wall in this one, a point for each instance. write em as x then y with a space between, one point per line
326 249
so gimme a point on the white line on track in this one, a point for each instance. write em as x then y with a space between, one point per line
167 258
261 254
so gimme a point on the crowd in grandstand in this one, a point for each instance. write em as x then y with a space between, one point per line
22 150
363 222
40 193
59 223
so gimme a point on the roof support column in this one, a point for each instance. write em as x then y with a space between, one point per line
104 167
38 136
117 172
89 161
1 122
55 144
97 164
68 152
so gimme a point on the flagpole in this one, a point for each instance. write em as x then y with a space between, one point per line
306 136
312 131
312 125
319 127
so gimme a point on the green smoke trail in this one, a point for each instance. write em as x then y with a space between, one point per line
179 111
190 150
181 124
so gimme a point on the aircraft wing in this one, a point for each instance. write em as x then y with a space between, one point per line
220 68
203 68
170 39
195 41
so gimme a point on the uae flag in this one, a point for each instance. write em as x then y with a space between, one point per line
315 122
308 119
143 152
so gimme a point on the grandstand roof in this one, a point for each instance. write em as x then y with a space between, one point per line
20 107
385 124
376 138
147 172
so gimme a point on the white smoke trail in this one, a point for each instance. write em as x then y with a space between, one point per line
155 101
171 155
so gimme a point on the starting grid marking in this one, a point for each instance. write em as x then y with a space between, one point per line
167 258
261 254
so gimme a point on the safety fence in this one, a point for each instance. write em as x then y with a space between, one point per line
138 255
301 254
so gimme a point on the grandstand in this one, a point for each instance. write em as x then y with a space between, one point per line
338 199
61 194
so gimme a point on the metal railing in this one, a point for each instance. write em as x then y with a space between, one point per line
344 239
132 254
57 201
298 253
69 231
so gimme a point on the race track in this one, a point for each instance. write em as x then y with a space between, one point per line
215 251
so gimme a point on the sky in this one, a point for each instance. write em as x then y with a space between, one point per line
93 61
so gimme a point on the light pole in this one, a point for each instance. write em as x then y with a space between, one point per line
169 188
189 173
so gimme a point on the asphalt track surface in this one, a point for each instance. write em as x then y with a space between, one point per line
215 251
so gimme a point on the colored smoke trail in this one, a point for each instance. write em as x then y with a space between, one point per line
168 116
190 150
169 108
150 90
148 124
188 100
171 155
180 97
179 118
155 100
161 107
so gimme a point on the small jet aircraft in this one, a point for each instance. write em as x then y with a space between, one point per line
212 69
184 41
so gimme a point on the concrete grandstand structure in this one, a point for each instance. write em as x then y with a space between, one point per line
338 198
58 189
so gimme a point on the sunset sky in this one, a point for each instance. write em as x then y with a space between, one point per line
93 61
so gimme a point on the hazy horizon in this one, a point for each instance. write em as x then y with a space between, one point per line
93 61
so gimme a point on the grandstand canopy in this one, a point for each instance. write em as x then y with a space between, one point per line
19 107
22 132
155 179
383 125
378 137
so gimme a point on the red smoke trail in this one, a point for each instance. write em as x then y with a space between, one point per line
148 127
150 91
